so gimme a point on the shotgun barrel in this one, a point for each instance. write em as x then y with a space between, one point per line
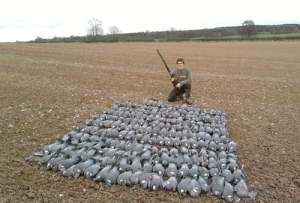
174 82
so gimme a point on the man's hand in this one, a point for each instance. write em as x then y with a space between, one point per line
178 85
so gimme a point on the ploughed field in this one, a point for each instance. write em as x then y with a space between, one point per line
48 89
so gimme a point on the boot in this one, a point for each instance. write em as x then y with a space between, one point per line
187 97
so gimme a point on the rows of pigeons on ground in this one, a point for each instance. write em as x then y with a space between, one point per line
153 144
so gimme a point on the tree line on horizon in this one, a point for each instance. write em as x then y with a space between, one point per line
247 31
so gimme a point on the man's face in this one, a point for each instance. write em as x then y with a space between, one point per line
180 65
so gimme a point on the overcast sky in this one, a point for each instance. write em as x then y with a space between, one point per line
24 20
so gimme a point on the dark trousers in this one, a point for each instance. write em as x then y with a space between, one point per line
174 93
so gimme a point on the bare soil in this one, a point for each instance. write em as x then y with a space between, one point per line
47 89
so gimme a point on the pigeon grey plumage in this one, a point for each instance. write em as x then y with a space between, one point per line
144 179
112 176
171 170
250 196
92 170
203 184
124 164
134 179
121 141
238 175
194 171
194 188
227 175
54 162
159 169
147 166
155 182
228 192
136 164
217 185
241 189
68 172
183 186
124 178
170 184
103 173
183 171
65 164
80 167
204 172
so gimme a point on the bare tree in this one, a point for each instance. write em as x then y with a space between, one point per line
171 33
248 28
38 39
172 29
94 29
114 32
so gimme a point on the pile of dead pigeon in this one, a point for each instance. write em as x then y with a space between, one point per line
145 144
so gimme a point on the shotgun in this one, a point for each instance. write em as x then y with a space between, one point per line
174 82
